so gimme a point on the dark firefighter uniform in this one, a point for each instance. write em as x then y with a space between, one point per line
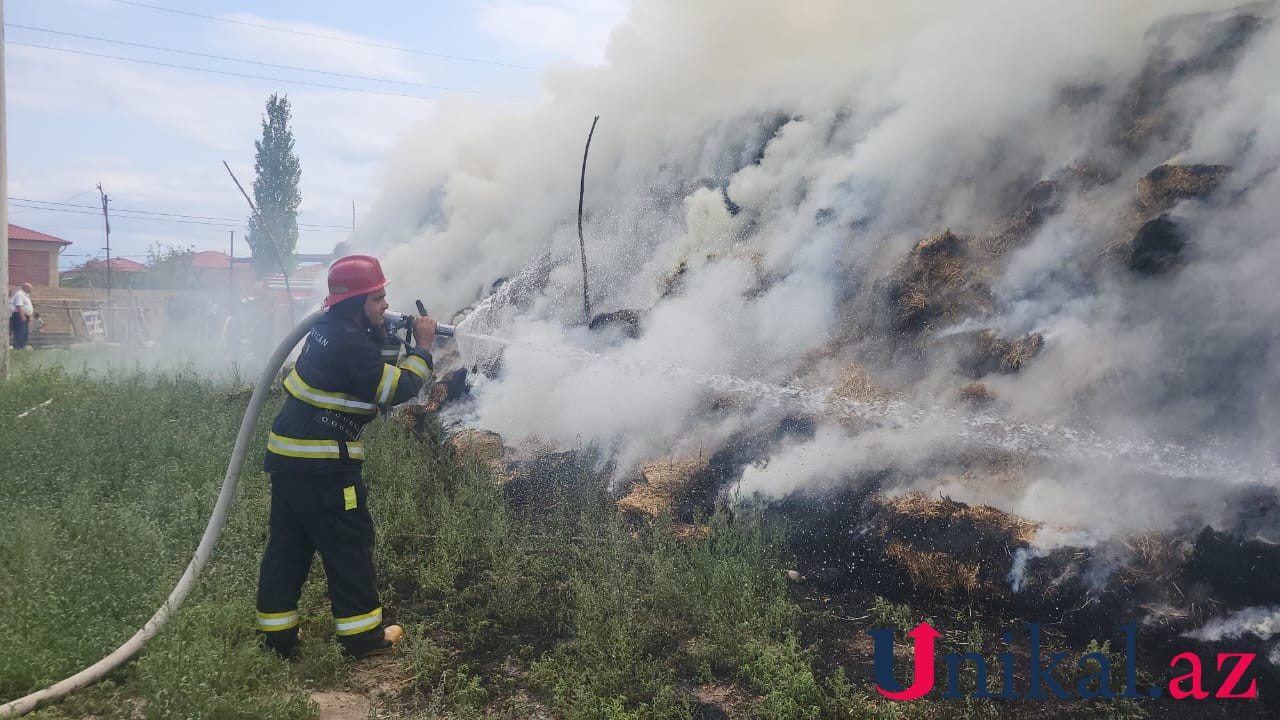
318 498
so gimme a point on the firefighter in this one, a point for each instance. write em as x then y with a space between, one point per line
319 501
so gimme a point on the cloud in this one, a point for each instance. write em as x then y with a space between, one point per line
171 129
576 29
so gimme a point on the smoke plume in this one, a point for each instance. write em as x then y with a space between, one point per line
757 192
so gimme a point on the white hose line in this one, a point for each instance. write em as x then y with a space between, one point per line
217 520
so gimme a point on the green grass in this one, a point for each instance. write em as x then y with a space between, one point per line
565 606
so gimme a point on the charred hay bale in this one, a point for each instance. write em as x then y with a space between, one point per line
853 540
1163 187
949 549
661 487
971 532
937 572
450 387
626 322
1157 247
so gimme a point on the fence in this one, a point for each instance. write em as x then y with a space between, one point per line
134 317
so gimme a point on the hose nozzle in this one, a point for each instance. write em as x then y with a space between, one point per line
395 322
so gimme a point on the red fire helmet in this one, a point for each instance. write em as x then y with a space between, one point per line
354 275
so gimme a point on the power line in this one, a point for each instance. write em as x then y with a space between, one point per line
322 36
225 224
219 72
238 60
167 214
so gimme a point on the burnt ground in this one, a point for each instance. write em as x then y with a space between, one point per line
869 562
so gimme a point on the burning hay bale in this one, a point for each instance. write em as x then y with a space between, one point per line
932 286
661 487
1040 203
1163 187
982 352
976 394
1010 356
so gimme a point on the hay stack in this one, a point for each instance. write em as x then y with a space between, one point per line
661 487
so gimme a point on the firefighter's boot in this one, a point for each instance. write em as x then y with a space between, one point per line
391 636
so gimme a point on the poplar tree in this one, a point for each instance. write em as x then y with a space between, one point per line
273 232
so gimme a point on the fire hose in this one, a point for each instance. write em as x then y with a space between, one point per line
212 532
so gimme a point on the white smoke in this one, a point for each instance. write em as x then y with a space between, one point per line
759 166
1261 621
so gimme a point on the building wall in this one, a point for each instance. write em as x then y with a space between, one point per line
33 262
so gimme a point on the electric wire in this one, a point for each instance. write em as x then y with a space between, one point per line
167 214
322 36
221 72
238 60
229 224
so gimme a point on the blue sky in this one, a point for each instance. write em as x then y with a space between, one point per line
155 137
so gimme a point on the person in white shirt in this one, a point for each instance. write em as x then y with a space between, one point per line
20 317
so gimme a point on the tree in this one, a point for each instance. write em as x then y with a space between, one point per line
273 232
169 268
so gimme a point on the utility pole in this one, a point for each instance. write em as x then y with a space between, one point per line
4 213
107 224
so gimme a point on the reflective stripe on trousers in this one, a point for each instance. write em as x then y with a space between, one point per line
276 622
357 624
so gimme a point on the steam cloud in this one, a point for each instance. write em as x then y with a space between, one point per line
760 167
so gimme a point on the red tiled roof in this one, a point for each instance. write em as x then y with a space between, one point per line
118 264
211 259
17 232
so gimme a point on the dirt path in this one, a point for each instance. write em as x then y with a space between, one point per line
341 705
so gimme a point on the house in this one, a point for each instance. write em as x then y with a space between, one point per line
124 273
33 257
216 269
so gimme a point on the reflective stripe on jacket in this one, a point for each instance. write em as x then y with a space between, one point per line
335 389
